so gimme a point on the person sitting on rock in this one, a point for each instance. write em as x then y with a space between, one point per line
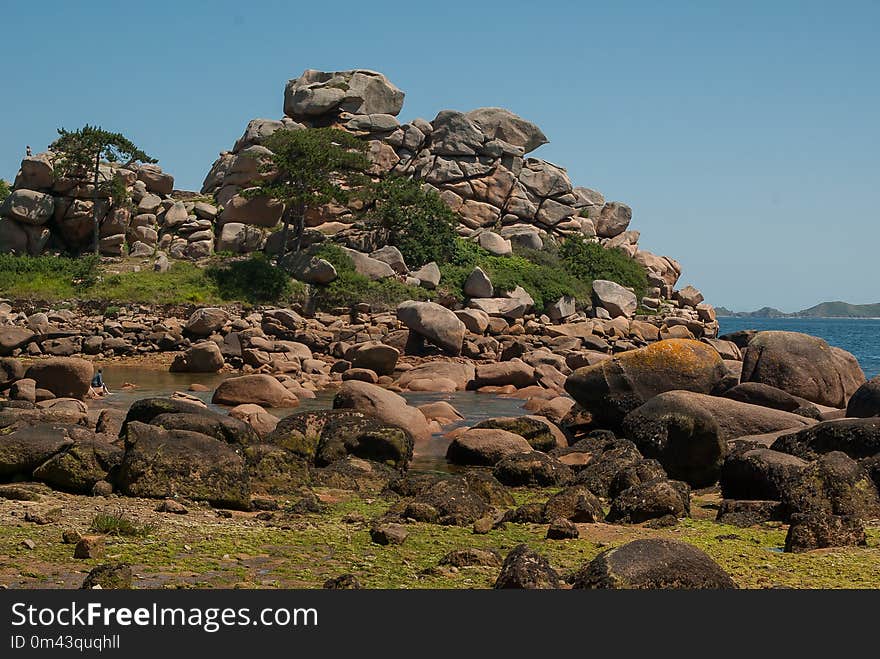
98 387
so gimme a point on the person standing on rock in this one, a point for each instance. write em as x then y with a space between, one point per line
28 151
98 387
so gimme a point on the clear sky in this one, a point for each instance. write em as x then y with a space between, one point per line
745 135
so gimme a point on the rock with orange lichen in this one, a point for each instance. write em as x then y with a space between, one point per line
611 389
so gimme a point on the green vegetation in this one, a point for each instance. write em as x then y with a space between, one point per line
51 278
588 261
118 524
4 189
79 154
546 281
418 222
46 277
546 274
310 167
352 288
253 280
200 550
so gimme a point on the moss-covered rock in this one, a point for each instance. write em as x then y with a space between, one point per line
834 484
78 468
159 463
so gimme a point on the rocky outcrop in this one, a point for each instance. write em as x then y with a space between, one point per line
802 365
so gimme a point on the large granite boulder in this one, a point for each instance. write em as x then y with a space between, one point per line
384 405
28 207
359 91
688 432
258 389
614 298
501 124
435 323
204 357
804 366
614 387
66 377
159 463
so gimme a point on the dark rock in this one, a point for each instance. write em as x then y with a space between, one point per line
834 484
758 473
528 513
343 582
159 463
218 426
110 576
819 530
864 403
26 449
653 564
89 546
80 466
472 557
576 504
858 438
308 504
532 469
524 568
147 409
562 529
642 471
10 371
603 469
389 534
274 470
650 500
746 513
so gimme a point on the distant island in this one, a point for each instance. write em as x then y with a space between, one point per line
823 310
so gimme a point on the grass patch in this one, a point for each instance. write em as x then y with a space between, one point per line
51 278
119 525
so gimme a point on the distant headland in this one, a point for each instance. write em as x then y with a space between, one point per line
823 310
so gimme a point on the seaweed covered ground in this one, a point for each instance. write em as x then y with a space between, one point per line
206 548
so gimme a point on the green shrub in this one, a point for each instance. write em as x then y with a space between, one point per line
4 189
588 261
539 273
253 280
111 312
351 288
419 223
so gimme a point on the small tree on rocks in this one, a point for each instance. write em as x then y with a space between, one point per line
78 156
310 167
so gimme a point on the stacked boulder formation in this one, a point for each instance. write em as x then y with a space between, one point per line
477 161
50 213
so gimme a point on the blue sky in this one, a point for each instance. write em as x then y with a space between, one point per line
744 134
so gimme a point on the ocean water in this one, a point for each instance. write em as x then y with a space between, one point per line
861 337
